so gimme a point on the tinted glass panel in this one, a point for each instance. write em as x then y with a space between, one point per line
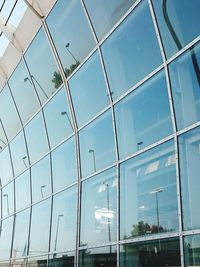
36 138
19 154
20 242
131 53
22 190
185 81
6 173
8 200
104 14
64 165
58 118
6 238
9 119
191 250
88 90
40 261
148 193
155 253
42 66
98 208
97 144
73 42
189 170
63 231
143 117
41 179
105 256
178 22
62 259
23 92
40 222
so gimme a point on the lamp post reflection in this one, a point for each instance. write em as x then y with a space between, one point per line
91 151
23 159
57 229
156 192
41 189
67 47
139 144
64 113
7 201
39 85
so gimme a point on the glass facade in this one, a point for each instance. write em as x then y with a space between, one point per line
100 138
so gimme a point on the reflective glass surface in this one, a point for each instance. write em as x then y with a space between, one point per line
9 117
143 117
178 22
8 199
88 89
68 38
41 179
98 208
23 90
6 238
108 11
185 82
131 53
40 225
20 241
6 173
189 144
62 259
148 193
22 190
97 144
42 66
104 256
64 165
63 229
19 154
36 138
151 254
40 261
191 250
58 118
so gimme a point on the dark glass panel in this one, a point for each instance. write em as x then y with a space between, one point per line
37 261
62 259
192 250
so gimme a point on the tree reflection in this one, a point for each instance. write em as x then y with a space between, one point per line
57 79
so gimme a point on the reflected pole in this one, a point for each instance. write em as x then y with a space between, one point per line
67 47
6 195
23 159
91 151
57 228
64 113
41 189
156 191
41 88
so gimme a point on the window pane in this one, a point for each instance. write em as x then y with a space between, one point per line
6 173
23 92
58 118
62 259
178 22
88 90
36 138
105 256
8 199
20 242
154 253
143 117
22 190
131 53
148 193
98 208
73 42
9 118
97 144
104 14
19 154
6 238
40 261
42 66
40 226
63 231
191 249
41 179
64 165
185 81
189 144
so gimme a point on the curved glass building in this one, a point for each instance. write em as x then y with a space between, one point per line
100 134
